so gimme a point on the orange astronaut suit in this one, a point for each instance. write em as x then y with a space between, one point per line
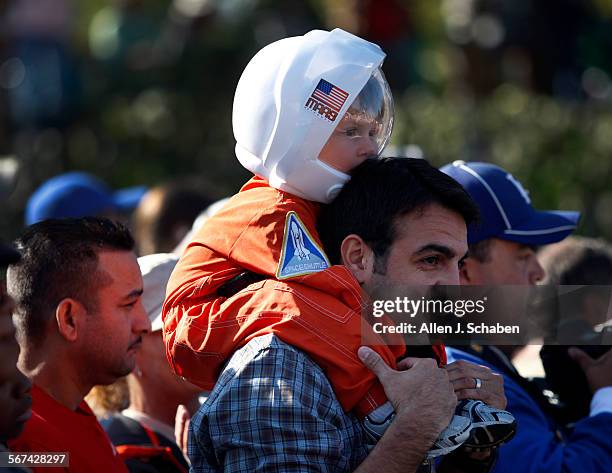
318 312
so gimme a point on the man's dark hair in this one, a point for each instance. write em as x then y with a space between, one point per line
380 191
59 260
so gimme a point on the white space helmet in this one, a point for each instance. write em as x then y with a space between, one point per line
292 95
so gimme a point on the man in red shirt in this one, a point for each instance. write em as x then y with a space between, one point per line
15 396
79 322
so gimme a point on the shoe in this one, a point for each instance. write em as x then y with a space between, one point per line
376 423
452 437
490 427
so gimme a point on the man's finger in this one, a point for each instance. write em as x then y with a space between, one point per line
481 395
373 361
406 363
580 357
467 370
185 443
465 383
180 420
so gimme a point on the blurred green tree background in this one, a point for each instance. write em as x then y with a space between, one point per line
140 92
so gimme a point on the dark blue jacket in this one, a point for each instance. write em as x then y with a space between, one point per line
540 446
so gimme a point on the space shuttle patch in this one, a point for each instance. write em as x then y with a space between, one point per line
300 254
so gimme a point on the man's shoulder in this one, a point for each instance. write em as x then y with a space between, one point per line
44 429
267 364
55 428
88 450
266 346
270 354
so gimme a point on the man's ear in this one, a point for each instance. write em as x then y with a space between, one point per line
69 316
358 257
467 273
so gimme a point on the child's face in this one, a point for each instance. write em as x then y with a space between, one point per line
351 143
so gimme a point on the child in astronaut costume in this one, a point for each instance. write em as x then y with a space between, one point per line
307 110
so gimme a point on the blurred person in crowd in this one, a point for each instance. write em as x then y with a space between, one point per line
580 261
15 396
198 222
79 194
165 215
273 406
144 432
107 399
502 252
581 319
80 322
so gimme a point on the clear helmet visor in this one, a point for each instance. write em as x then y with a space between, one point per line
363 131
372 113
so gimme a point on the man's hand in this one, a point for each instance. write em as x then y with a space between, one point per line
424 403
181 429
463 374
598 372
421 387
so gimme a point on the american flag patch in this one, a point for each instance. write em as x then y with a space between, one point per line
330 95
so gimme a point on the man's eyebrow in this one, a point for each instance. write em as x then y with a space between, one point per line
134 293
445 250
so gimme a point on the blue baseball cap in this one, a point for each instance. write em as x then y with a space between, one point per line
78 194
505 207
